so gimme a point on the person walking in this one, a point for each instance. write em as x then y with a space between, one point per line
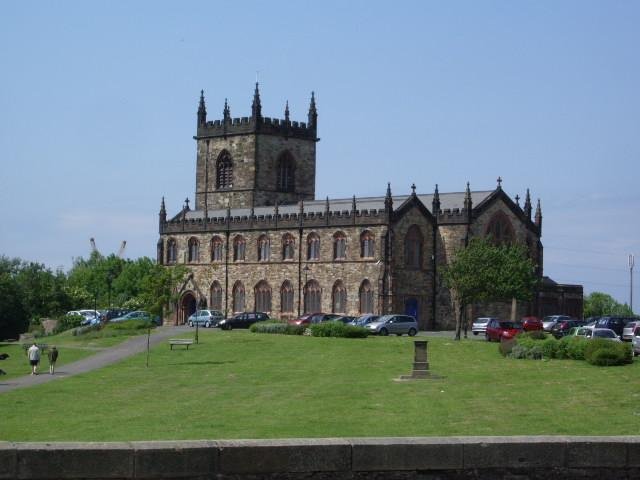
34 358
53 356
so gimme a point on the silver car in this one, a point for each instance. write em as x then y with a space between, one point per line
480 325
398 324
549 321
605 333
635 341
206 318
627 331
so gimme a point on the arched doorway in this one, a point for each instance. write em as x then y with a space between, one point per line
187 307
411 308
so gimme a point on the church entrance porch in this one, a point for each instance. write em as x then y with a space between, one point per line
187 307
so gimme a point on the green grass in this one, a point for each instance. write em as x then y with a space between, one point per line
243 385
71 348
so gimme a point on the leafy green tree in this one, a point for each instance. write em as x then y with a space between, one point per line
486 272
159 287
13 316
598 304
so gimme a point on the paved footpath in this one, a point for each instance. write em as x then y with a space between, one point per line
106 357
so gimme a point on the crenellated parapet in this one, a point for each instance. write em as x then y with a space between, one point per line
264 125
453 216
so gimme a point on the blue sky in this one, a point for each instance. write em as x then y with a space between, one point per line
98 108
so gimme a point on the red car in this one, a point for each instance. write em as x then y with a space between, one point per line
497 329
531 323
309 318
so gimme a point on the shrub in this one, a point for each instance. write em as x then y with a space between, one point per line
536 335
576 347
549 347
277 328
67 322
519 352
131 325
606 353
533 352
337 329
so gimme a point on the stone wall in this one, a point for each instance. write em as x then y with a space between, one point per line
522 458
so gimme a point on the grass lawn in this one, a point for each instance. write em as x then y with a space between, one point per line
242 385
71 348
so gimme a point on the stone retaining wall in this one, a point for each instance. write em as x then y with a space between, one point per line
515 458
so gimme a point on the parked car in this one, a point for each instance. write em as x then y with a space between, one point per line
115 313
629 328
346 319
365 319
309 318
531 323
561 328
549 321
242 320
635 341
616 324
398 324
579 331
480 325
605 333
136 315
497 329
206 318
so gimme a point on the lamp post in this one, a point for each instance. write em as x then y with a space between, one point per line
306 275
631 263
109 282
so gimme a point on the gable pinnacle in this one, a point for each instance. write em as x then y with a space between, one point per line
527 205
388 201
163 211
467 199
286 112
226 112
256 107
435 204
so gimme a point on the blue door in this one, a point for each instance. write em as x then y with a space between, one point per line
411 307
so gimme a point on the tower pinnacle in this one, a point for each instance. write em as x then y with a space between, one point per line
313 113
256 106
202 110
527 205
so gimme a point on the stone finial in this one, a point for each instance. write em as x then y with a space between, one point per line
388 201
326 205
435 204
286 112
499 187
527 205
313 113
256 106
186 203
226 112
538 217
163 210
413 189
468 204
518 200
353 204
202 110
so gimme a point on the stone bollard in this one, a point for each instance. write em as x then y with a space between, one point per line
420 363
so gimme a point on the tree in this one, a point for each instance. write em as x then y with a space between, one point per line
598 304
159 287
486 272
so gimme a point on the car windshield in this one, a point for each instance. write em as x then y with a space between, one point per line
604 334
482 320
509 325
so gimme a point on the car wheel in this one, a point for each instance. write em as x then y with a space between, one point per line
207 324
412 332
384 332
191 324
475 333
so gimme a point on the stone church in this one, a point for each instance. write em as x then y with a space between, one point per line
257 239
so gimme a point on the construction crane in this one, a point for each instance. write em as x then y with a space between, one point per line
120 253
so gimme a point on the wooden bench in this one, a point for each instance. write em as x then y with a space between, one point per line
180 341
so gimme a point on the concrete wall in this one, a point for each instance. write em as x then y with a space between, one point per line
519 458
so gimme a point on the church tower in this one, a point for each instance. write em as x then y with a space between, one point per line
254 161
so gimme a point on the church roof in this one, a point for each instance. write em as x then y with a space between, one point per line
448 201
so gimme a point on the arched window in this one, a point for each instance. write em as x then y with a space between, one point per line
312 297
264 249
313 247
286 297
216 296
366 297
172 251
367 245
413 247
339 246
263 296
288 246
499 230
224 170
286 173
238 248
339 297
216 249
193 250
238 297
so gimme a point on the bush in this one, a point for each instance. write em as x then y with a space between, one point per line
535 335
605 353
67 322
337 329
519 352
576 347
131 325
549 347
277 328
526 352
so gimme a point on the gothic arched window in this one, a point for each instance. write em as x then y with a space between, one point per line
263 296
172 251
286 173
339 296
224 170
367 245
366 297
238 297
193 249
216 296
264 248
239 245
286 297
313 247
312 297
339 246
413 247
288 246
500 230
216 249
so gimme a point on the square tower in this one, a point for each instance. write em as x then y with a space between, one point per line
254 161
